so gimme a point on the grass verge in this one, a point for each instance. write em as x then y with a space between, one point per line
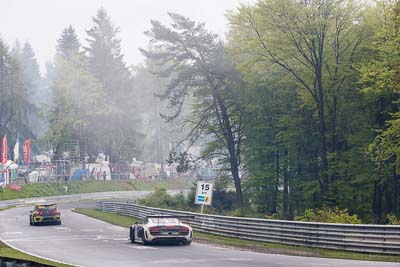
126 221
6 251
77 187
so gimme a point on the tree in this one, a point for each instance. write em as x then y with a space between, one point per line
68 43
118 137
159 134
14 103
76 97
380 80
38 93
316 43
203 76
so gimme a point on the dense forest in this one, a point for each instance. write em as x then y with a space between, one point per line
299 103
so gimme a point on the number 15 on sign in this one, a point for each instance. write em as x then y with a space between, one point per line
203 193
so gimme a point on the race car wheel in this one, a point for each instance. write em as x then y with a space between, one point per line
187 243
132 234
30 220
145 242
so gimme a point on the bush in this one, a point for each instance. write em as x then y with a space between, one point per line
223 200
161 199
392 219
274 216
329 215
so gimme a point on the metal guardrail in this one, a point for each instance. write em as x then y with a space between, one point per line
380 239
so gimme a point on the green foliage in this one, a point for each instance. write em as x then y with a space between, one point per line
118 137
309 128
202 74
68 44
329 215
183 159
380 81
302 102
16 108
223 199
93 95
243 212
161 199
76 96
392 219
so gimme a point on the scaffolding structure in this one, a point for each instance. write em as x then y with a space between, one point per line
72 149
59 170
73 159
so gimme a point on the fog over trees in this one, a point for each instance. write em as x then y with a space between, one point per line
298 106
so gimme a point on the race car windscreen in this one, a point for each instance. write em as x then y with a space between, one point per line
164 220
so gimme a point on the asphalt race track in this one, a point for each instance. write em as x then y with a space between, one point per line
84 241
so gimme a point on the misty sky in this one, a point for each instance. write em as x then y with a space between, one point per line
42 21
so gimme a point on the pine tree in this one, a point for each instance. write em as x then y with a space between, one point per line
105 62
104 52
30 70
68 43
14 104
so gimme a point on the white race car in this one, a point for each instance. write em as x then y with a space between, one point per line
161 228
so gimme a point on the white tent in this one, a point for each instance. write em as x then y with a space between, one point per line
9 165
41 158
34 176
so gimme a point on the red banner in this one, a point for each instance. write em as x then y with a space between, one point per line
27 151
4 150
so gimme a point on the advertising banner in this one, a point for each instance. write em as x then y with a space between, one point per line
27 150
4 150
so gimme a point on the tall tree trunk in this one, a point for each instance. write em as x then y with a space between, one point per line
324 183
292 193
333 194
377 202
390 193
285 194
230 141
395 191
238 186
274 199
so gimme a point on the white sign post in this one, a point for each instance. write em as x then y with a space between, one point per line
203 196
